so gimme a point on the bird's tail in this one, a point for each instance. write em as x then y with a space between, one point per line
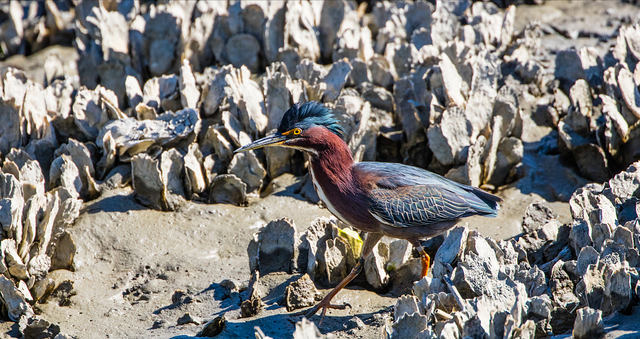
487 204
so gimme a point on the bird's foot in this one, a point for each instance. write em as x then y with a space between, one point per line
325 304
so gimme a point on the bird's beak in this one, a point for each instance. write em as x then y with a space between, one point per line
270 140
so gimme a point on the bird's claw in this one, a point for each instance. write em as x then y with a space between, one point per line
325 305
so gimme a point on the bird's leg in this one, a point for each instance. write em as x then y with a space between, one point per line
369 243
426 260
326 302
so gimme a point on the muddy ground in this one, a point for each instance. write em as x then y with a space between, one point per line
131 260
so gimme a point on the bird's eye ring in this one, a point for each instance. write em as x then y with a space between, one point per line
295 131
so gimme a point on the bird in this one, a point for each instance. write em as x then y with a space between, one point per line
381 199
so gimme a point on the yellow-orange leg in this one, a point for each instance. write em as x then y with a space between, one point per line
426 261
326 302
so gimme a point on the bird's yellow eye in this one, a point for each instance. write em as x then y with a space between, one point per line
295 131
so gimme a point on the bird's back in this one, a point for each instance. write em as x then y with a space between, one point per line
406 196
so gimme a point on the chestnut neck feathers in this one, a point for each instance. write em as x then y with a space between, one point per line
336 182
331 154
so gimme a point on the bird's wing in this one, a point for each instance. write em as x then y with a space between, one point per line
411 206
407 196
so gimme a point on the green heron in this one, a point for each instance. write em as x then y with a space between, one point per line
389 199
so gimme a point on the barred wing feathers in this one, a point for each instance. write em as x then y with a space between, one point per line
408 196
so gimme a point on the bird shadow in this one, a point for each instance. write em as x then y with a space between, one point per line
281 326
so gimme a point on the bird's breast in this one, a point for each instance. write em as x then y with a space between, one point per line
324 199
345 202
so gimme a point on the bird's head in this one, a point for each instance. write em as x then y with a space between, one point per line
300 128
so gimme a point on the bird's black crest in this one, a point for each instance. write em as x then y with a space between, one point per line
309 114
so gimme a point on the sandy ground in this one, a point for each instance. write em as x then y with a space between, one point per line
132 260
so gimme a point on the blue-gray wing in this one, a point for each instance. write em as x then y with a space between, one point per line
407 196
413 206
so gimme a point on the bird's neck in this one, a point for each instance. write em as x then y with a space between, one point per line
337 184
332 160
